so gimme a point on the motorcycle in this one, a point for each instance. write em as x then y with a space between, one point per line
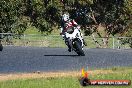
75 40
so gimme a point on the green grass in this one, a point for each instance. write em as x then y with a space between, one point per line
50 41
69 82
54 41
32 30
41 40
35 38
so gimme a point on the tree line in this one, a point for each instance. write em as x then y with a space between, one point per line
113 16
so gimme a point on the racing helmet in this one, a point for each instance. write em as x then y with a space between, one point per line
65 17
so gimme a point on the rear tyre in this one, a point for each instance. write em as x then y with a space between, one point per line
79 50
1 47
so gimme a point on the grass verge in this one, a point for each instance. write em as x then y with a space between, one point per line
62 79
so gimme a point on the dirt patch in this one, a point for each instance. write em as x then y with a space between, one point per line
5 77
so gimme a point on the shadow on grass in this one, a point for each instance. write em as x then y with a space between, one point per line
60 55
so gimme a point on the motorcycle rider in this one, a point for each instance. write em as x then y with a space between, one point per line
68 24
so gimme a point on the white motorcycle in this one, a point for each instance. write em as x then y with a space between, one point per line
75 39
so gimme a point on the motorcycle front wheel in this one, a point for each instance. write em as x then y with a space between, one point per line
78 47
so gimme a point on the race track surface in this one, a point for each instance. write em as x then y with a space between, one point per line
31 59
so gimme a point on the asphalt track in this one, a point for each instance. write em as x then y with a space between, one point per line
31 59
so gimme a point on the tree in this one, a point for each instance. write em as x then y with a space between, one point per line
11 18
114 16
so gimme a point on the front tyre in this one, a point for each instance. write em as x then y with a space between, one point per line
78 47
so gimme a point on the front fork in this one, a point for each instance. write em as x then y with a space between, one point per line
82 40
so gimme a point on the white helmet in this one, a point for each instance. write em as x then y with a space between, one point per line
65 17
